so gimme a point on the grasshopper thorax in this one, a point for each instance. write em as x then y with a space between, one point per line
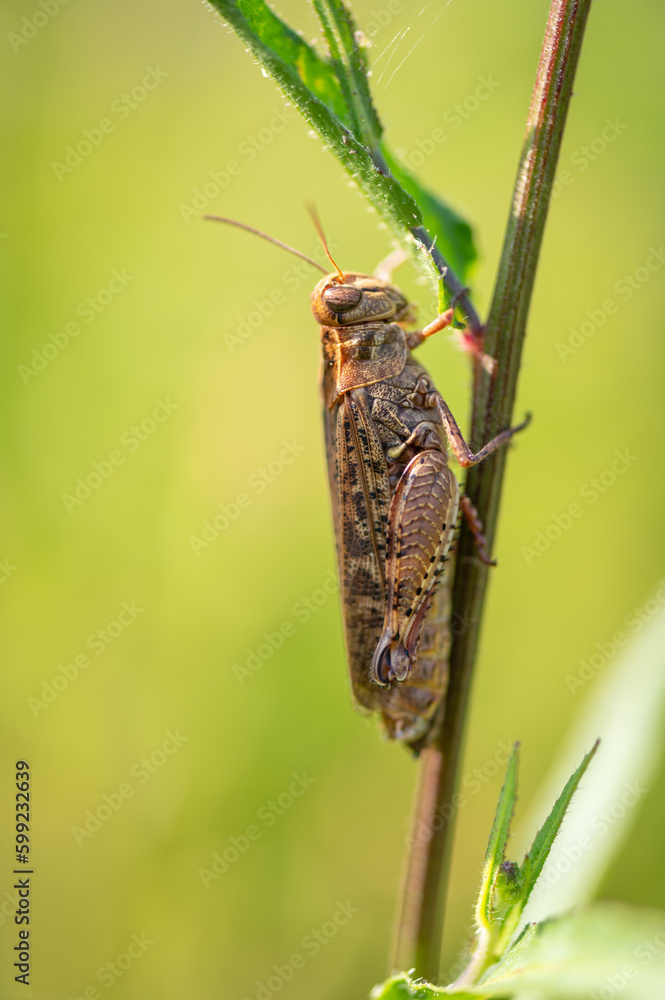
349 297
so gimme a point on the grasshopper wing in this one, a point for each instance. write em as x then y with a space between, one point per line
360 493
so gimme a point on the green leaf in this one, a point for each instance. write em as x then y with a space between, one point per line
349 58
496 848
609 950
624 706
276 36
536 857
606 951
454 236
253 21
505 886
402 987
334 97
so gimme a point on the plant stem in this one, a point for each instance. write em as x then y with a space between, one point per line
420 918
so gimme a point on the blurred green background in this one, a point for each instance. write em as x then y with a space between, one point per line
162 334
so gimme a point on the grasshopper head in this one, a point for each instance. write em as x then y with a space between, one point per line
349 297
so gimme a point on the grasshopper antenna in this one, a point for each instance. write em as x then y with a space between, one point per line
314 216
270 239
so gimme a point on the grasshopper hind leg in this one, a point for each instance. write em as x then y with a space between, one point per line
411 711
421 525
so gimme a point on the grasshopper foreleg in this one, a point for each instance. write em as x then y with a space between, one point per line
416 338
471 341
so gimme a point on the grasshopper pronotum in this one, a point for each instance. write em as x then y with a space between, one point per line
395 501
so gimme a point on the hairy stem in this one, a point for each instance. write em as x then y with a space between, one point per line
420 918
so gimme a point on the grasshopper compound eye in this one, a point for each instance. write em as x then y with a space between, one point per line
342 298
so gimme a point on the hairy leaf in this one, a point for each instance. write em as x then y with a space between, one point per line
275 35
402 987
381 189
605 951
537 856
334 97
496 847
348 55
609 950
624 706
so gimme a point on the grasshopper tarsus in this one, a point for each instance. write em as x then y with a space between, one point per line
472 518
528 417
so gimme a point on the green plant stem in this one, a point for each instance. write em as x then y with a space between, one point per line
419 926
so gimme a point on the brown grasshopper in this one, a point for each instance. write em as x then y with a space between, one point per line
395 501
